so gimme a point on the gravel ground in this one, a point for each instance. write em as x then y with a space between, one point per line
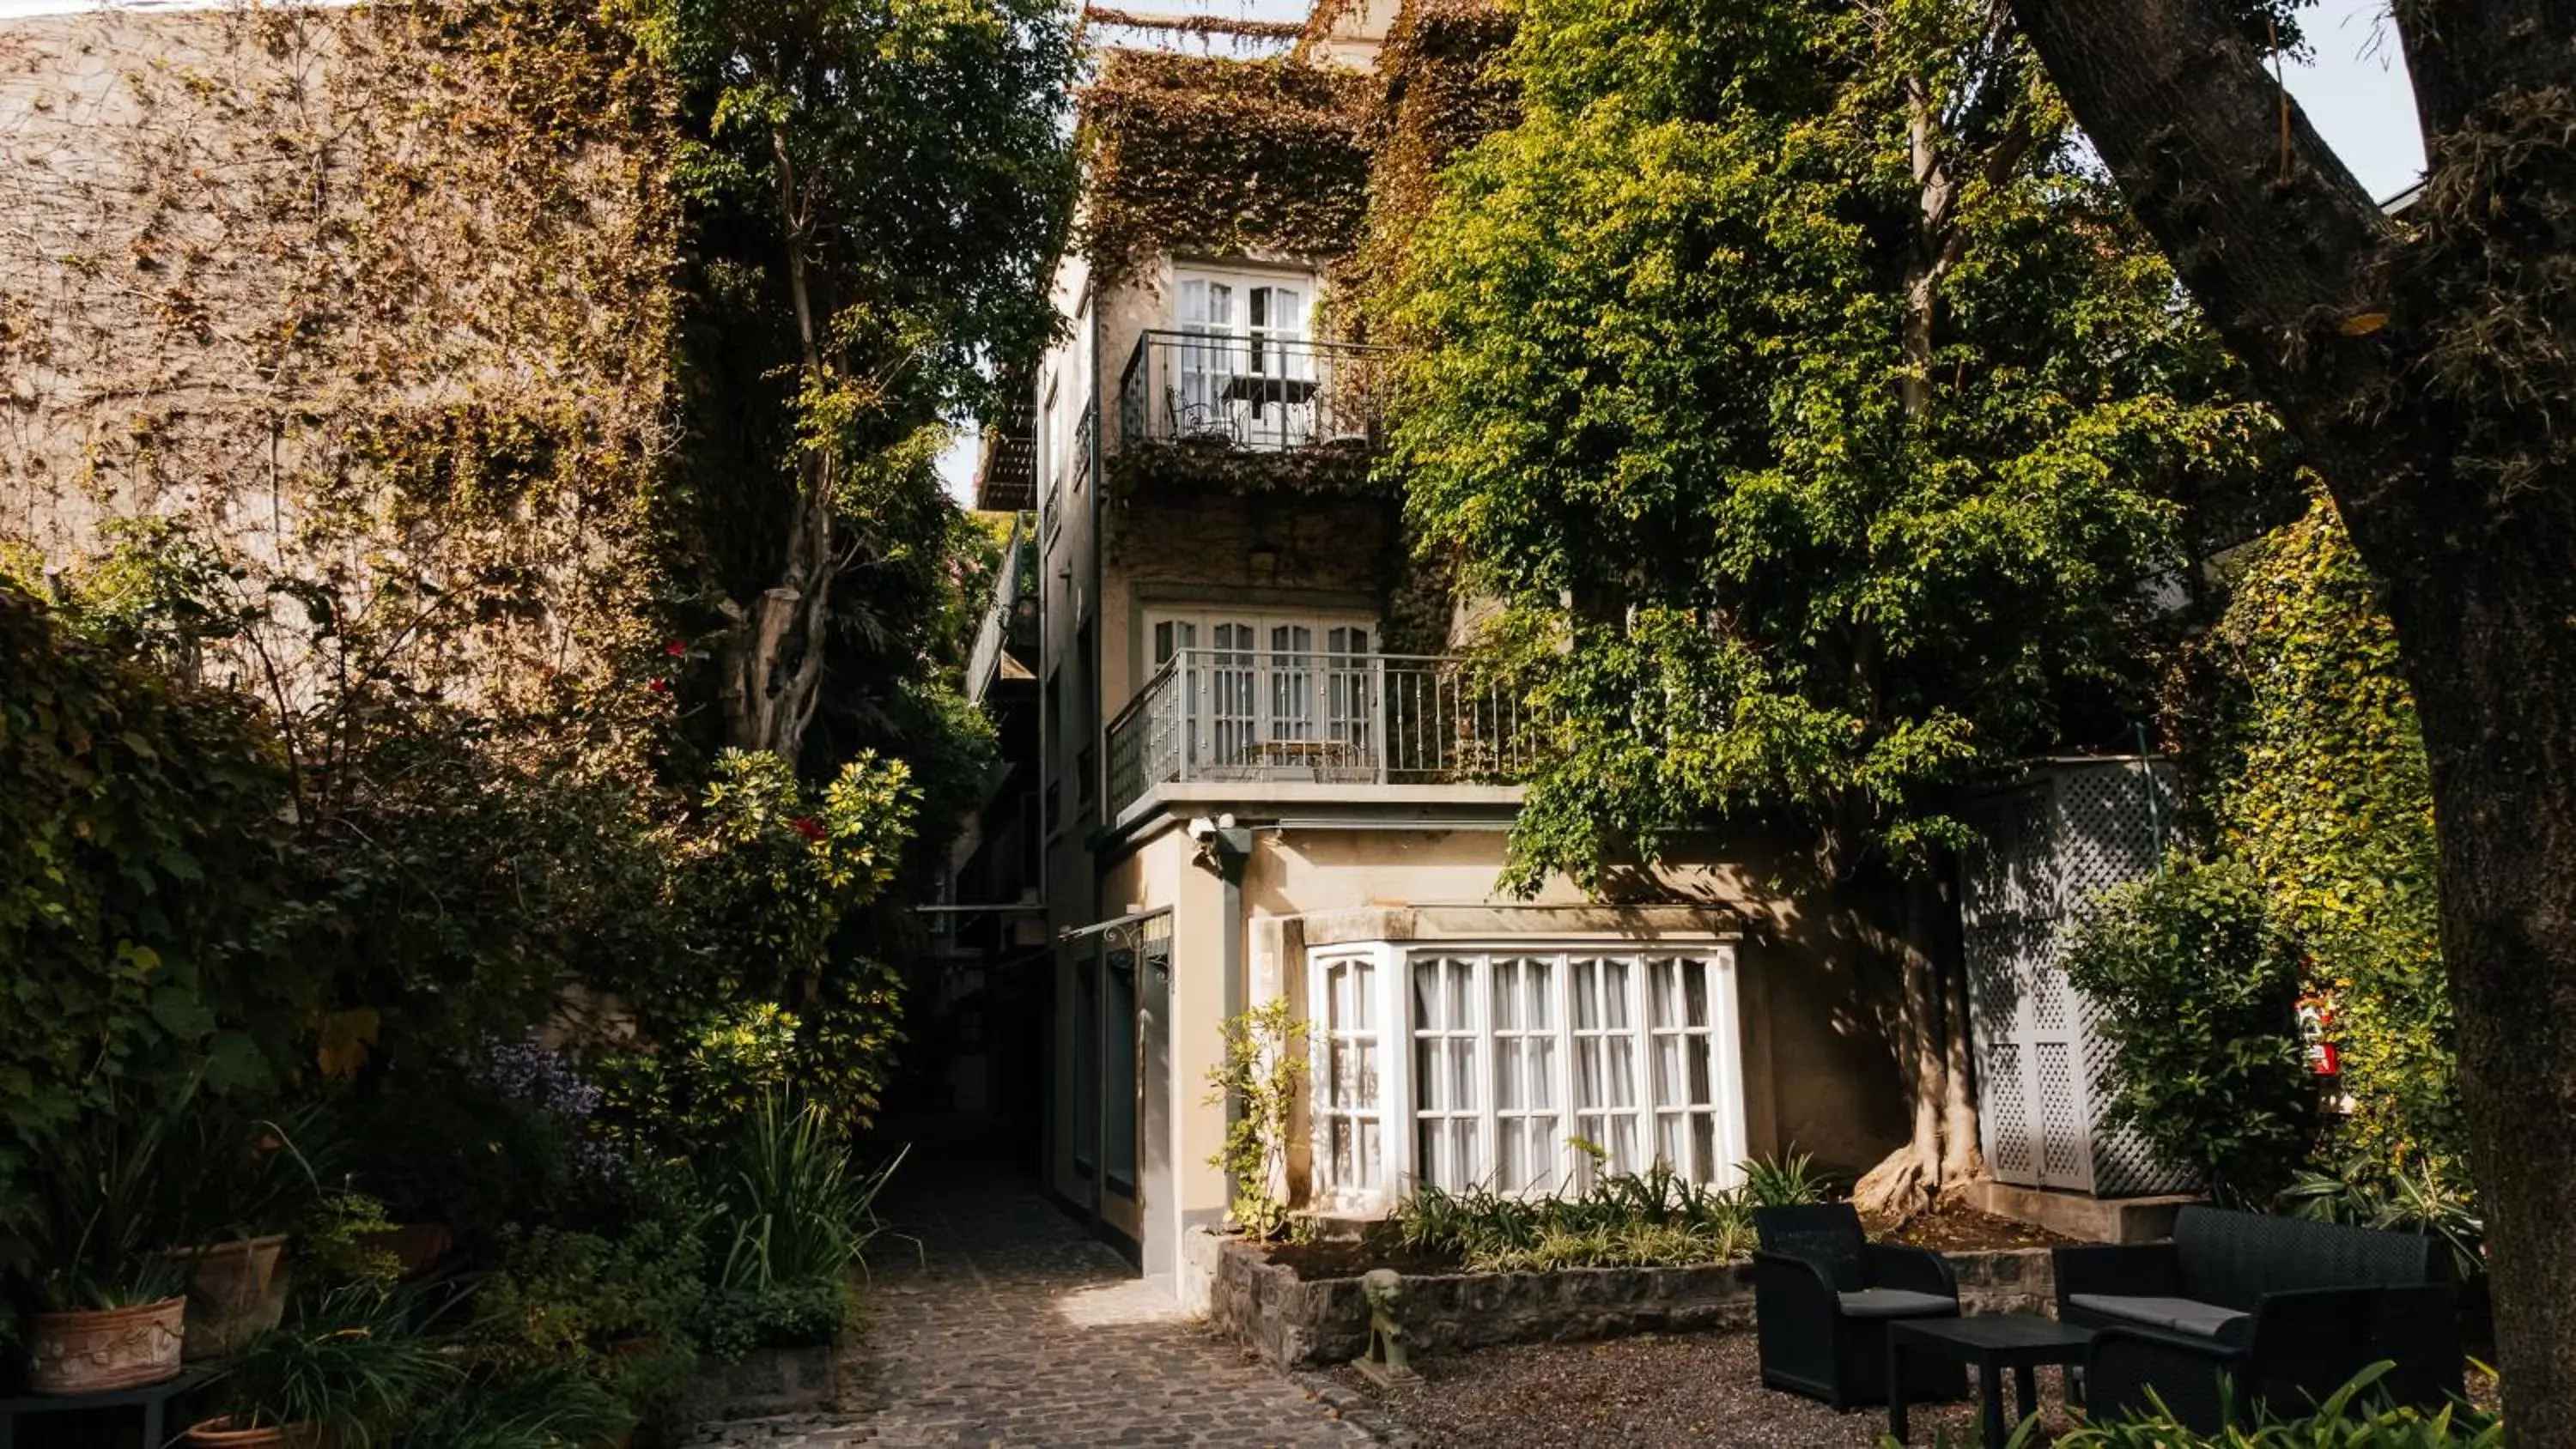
1700 1390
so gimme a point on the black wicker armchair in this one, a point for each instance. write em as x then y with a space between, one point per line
2241 1311
1823 1295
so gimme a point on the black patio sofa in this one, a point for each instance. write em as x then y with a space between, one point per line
2242 1311
1823 1295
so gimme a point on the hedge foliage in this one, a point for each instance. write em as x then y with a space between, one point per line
140 844
2198 991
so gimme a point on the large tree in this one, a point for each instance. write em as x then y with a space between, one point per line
1817 418
2428 364
881 187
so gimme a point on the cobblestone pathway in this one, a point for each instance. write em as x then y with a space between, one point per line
1010 1327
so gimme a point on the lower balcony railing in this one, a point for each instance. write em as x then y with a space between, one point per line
1347 719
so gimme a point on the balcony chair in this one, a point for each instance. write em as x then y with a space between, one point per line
1823 1295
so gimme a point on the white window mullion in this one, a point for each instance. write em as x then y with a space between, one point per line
1726 1063
1568 1172
1395 1068
1488 1168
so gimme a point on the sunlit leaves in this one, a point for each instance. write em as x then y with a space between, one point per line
1660 416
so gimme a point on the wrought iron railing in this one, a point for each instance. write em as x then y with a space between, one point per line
1350 719
1262 393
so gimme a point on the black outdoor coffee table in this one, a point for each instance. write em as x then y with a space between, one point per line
1993 1342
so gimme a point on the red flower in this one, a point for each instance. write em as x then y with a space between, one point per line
659 686
806 827
675 648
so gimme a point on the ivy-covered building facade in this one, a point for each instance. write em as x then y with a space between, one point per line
1257 765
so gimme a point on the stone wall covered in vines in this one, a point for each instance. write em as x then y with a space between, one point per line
1200 154
375 303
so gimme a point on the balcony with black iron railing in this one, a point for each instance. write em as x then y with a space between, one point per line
1232 716
1253 394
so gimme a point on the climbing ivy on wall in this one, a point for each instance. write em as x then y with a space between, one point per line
373 302
2330 802
1202 154
1446 88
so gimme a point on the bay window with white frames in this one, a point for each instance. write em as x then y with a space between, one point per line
1522 1069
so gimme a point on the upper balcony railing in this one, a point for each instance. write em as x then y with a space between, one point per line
1255 716
1264 393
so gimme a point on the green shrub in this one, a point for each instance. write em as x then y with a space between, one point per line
570 1296
734 1321
2198 995
141 835
1648 1219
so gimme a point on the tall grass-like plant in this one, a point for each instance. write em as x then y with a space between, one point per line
353 1368
94 1229
1781 1181
556 1408
2349 1418
793 1206
2359 1191
1654 1218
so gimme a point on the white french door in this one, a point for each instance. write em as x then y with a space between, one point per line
1246 369
1270 689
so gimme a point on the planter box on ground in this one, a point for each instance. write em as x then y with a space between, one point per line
1293 1322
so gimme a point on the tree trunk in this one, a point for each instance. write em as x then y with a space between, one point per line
1940 1153
1929 1029
773 682
2428 374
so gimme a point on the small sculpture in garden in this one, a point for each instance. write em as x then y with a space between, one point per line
1385 1363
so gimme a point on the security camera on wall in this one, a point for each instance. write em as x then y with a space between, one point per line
1202 829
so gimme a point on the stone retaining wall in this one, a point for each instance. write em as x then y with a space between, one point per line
1307 1323
764 1382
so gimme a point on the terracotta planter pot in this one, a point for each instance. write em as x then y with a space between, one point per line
110 1348
236 1292
416 1246
219 1433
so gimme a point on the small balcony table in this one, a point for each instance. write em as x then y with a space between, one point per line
1993 1342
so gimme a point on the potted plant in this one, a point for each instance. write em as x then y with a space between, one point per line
250 1178
347 1374
105 1300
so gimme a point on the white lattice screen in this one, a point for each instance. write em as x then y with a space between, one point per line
2051 843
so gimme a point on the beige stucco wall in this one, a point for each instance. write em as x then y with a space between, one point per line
1817 1074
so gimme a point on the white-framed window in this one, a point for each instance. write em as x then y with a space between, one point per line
1350 1105
1512 1064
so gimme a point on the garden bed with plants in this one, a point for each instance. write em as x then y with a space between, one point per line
495 1255
1631 1254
